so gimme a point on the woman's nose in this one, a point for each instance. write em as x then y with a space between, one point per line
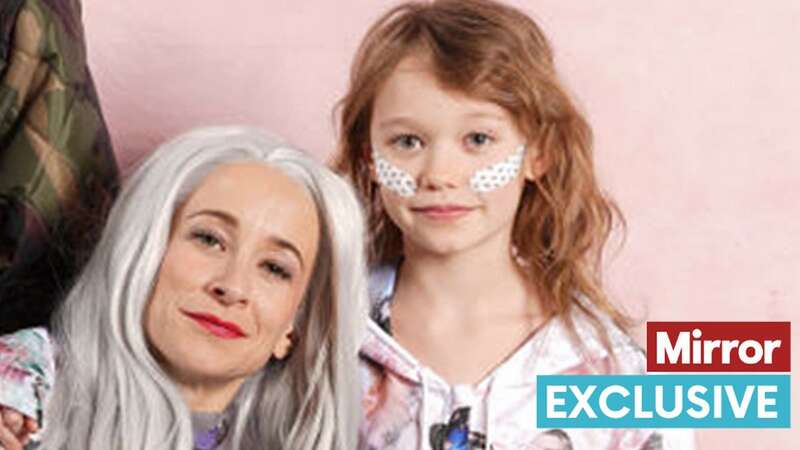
229 285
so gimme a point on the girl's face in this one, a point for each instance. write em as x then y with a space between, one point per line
235 270
438 139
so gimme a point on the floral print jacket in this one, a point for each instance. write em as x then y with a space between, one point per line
408 406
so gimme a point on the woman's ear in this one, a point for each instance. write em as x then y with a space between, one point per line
284 345
535 164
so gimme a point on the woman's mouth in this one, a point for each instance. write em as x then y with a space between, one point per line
215 325
445 212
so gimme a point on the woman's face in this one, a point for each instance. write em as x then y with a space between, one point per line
241 252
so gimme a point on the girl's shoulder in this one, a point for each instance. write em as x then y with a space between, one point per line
589 342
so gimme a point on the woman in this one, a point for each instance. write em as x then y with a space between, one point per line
222 307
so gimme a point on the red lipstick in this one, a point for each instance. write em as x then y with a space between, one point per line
215 325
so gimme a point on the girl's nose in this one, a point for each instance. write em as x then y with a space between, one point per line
441 170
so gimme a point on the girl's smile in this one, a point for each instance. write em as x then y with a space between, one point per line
442 212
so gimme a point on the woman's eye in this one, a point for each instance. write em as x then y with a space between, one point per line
206 239
407 142
479 139
277 270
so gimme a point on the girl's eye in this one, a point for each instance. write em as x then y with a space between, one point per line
479 139
275 269
207 239
407 142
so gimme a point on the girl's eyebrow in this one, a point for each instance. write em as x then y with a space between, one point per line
486 115
233 222
397 121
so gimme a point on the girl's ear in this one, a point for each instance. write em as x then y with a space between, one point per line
366 151
535 164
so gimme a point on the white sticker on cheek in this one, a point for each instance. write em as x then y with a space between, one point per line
499 174
392 177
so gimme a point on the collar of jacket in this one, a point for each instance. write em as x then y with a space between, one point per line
549 350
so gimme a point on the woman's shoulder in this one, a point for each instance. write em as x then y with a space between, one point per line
25 343
34 333
26 368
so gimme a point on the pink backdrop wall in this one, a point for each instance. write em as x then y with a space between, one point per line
695 107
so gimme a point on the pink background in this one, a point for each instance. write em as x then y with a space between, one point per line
695 106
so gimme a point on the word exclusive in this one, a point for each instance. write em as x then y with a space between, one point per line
662 401
718 346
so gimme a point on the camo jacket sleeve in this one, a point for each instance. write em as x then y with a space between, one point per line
58 173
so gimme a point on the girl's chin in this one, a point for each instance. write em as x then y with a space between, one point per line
443 246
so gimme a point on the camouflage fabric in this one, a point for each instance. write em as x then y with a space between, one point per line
57 169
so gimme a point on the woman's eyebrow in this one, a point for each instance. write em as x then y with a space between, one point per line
221 215
283 243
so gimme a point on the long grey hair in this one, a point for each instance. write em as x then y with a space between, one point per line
110 391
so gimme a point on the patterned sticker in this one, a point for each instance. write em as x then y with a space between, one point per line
392 177
499 174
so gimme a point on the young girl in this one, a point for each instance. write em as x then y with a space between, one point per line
487 229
